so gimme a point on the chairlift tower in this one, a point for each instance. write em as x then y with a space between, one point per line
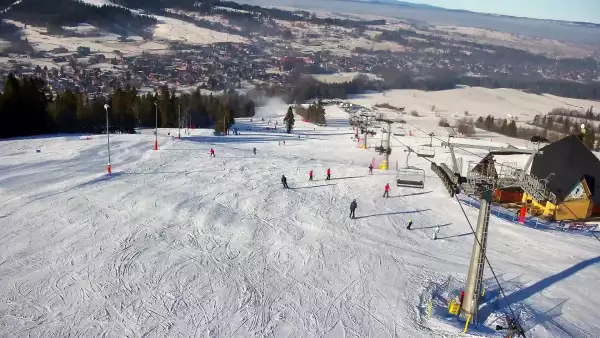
388 147
365 124
483 185
473 290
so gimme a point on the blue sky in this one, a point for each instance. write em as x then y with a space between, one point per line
570 10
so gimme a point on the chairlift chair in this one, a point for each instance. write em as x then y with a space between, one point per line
426 150
409 176
401 131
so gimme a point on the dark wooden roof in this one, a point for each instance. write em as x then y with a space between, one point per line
570 161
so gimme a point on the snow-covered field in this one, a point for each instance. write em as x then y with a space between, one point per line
342 77
477 101
176 244
177 30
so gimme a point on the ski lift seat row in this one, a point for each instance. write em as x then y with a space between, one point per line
411 177
426 151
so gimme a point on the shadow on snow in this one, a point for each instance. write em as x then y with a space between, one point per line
536 288
393 213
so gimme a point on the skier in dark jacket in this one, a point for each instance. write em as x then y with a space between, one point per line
353 206
254 150
371 169
284 181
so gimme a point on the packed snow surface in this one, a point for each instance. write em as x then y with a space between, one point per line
177 244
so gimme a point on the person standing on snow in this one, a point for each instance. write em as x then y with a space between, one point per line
254 150
310 175
387 190
328 174
284 181
212 152
371 169
409 224
353 206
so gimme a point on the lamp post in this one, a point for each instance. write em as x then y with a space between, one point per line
156 126
106 106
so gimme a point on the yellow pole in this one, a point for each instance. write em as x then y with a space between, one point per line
482 291
467 323
429 310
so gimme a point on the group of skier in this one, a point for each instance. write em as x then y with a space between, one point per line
386 194
353 204
310 177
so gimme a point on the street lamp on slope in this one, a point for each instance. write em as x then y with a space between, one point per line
156 125
106 106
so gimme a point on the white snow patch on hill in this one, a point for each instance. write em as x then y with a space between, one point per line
107 43
98 2
477 101
177 30
342 77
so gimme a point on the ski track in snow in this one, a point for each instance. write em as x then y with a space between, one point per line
177 244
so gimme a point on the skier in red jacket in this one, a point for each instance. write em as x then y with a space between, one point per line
310 175
328 174
212 152
387 190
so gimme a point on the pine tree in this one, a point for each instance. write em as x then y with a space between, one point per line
512 129
549 123
480 123
489 122
589 139
566 125
289 120
504 128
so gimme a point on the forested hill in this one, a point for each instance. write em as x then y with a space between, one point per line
45 13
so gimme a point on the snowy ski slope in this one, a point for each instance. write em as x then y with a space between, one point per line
176 244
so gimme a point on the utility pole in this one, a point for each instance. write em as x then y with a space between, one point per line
106 106
156 125
224 124
179 136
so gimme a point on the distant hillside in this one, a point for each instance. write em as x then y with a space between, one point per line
48 13
431 7
581 33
